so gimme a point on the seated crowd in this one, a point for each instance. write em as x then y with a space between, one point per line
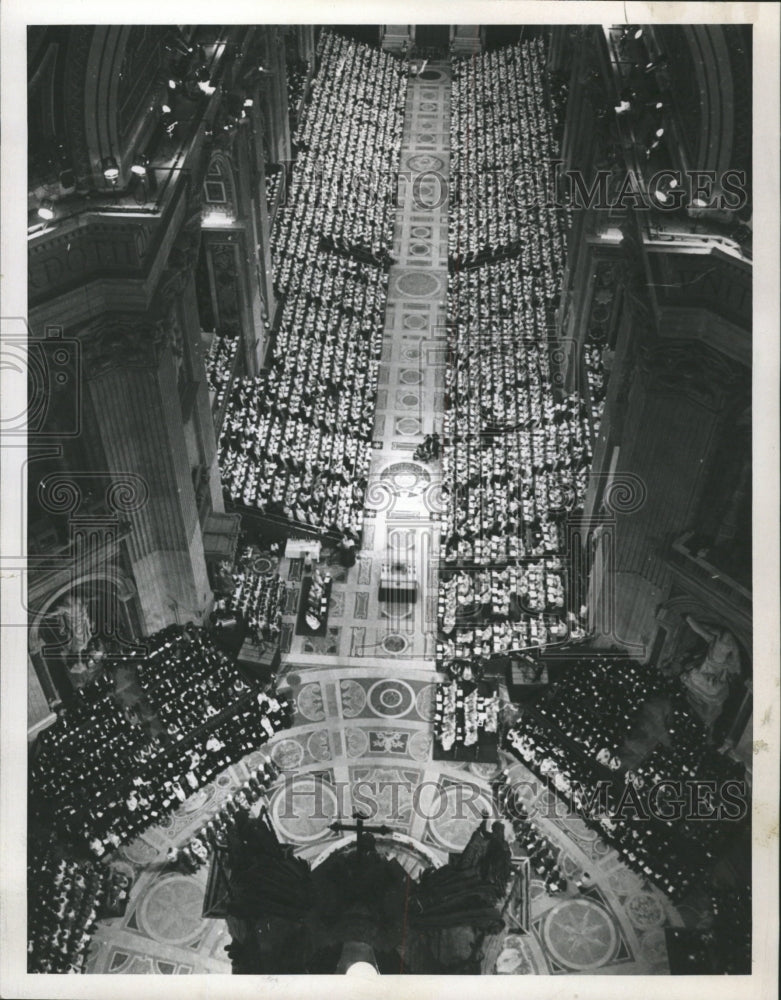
663 844
516 463
219 366
100 780
317 599
539 849
517 448
296 439
596 703
260 599
186 679
731 930
462 712
65 898
502 145
214 832
647 847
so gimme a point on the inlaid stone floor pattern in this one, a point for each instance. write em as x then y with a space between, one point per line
363 693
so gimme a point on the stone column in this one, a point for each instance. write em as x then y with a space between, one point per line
395 36
132 385
466 40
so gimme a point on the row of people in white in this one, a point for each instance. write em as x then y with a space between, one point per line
216 830
502 151
219 365
356 118
260 599
296 440
461 712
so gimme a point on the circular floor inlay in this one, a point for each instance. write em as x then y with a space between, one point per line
455 814
424 137
391 698
410 399
420 745
580 934
408 426
287 754
406 476
140 851
356 741
170 912
411 376
430 74
425 161
353 698
424 703
319 746
310 702
414 323
421 232
428 106
415 283
303 808
645 910
392 644
263 565
420 250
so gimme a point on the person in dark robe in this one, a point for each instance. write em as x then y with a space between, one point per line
472 855
495 867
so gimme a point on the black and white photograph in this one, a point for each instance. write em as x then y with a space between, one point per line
388 481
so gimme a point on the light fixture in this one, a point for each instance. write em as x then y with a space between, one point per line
638 34
46 210
206 87
166 109
700 203
659 133
139 165
362 970
248 103
173 84
662 196
110 169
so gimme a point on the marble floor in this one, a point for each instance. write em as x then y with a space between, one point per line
363 693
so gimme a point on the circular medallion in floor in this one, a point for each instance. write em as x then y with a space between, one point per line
580 934
413 284
391 699
454 814
170 912
425 162
303 808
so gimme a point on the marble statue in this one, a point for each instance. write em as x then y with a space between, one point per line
707 682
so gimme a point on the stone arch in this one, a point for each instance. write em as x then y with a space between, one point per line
220 191
115 118
125 591
671 617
